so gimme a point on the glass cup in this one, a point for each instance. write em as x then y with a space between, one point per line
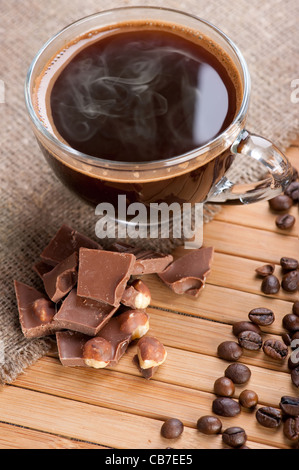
201 175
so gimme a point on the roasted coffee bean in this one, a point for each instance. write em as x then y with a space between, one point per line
172 428
240 326
291 428
234 436
286 338
285 221
224 406
238 373
295 376
293 360
292 191
265 270
270 285
261 316
269 417
290 405
291 322
229 350
290 281
209 425
224 387
295 309
282 202
275 349
250 340
248 399
288 264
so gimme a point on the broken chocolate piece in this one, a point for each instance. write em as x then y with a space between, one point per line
103 275
70 346
146 373
187 275
147 261
64 243
36 312
42 268
83 315
62 278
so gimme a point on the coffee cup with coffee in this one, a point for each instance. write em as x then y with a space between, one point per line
149 103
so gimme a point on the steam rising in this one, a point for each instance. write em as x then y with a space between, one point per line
119 93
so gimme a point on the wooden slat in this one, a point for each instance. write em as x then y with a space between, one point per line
17 437
94 423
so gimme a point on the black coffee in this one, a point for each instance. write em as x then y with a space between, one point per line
142 93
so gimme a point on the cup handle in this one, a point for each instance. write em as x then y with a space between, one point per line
279 168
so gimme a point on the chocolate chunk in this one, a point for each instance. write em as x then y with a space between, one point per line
187 275
42 268
147 261
70 346
36 312
83 315
103 275
265 270
146 373
65 242
62 278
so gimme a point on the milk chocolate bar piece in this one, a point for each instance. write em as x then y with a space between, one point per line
187 275
103 275
70 346
147 261
64 243
146 373
83 315
41 268
36 312
70 343
62 278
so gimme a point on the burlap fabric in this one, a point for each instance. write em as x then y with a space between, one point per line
34 203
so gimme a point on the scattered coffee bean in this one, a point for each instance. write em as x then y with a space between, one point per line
248 399
229 350
282 202
209 425
270 285
288 264
224 387
224 406
269 417
285 221
292 191
290 281
291 428
275 349
261 316
293 360
295 309
238 373
265 270
290 405
295 376
250 340
234 436
172 428
240 326
286 338
291 322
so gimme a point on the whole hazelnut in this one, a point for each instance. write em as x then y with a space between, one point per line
150 352
97 352
137 295
134 322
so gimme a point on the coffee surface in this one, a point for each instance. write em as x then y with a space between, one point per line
141 94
